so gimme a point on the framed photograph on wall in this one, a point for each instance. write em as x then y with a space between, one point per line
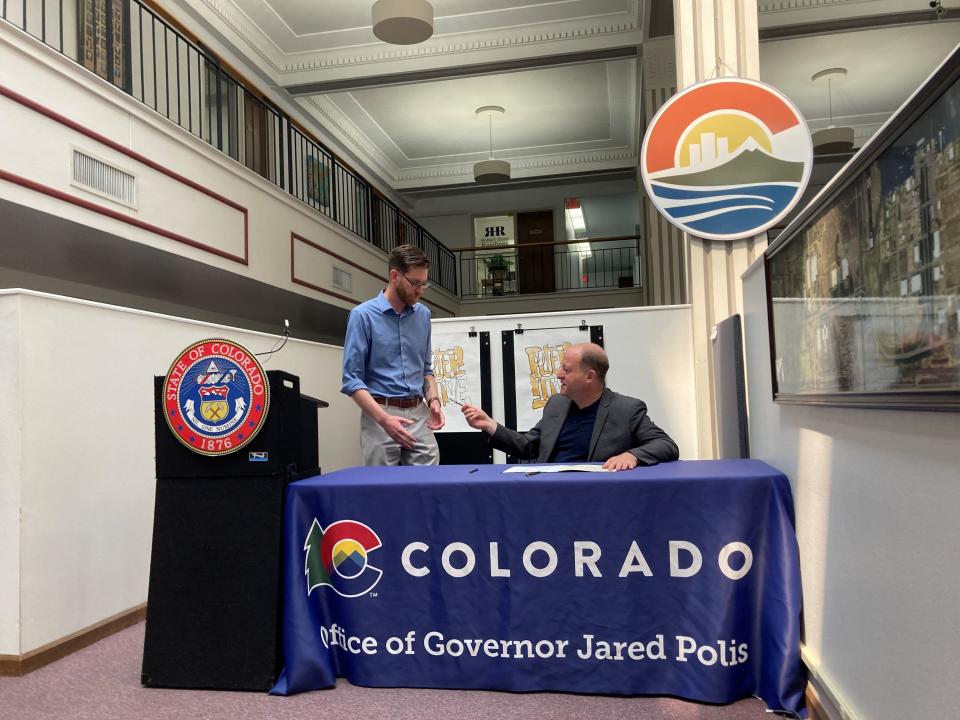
102 31
318 187
864 286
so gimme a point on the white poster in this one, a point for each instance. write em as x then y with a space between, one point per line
537 355
456 368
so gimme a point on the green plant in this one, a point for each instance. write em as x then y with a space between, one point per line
497 262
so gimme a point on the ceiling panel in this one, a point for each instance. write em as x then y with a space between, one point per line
884 67
551 107
311 25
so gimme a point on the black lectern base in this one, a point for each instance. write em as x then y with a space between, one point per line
213 609
213 612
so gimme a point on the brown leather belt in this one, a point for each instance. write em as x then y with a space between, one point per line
404 402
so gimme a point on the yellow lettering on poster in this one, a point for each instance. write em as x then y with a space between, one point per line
544 361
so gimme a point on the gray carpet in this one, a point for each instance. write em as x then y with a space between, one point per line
102 682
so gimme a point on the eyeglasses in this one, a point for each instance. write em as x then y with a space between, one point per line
417 284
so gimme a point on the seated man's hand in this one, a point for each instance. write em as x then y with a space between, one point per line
623 461
478 419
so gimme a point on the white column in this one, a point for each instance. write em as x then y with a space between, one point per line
714 38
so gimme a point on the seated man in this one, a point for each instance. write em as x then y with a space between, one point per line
586 422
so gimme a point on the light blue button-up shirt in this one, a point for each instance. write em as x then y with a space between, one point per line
386 353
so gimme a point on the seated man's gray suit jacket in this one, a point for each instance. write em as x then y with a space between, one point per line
622 426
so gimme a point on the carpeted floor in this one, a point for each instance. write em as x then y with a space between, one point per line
102 682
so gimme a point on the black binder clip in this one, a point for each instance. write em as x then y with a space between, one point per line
473 331
519 330
583 326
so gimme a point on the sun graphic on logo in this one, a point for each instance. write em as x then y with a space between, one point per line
717 136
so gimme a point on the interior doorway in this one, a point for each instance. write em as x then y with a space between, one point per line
534 259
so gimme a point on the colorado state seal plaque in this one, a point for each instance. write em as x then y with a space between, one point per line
215 397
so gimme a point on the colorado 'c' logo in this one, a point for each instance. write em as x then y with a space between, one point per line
337 556
726 159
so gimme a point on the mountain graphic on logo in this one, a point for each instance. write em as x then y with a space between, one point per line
349 564
752 165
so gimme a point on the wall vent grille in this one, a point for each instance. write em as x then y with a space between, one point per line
342 280
103 179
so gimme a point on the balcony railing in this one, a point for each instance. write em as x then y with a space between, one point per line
132 46
585 264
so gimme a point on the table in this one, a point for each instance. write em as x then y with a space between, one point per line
679 579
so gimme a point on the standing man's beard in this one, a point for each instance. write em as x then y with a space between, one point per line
404 295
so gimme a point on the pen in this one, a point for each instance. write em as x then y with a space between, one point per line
455 402
532 472
472 471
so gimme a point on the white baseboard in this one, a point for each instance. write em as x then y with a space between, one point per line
825 700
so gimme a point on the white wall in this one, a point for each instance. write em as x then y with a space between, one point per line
9 476
877 497
87 480
651 358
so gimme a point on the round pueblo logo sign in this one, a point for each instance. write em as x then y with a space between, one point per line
726 159
216 397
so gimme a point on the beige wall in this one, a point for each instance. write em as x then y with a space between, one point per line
877 496
38 150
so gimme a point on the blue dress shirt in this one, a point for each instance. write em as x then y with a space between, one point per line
386 353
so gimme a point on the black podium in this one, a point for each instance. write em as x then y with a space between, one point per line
213 608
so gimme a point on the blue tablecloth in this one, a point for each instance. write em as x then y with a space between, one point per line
680 579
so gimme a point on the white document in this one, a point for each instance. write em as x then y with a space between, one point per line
530 469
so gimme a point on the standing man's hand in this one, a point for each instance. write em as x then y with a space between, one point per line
394 427
478 419
623 461
436 420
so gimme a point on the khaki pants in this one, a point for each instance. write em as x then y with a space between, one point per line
380 449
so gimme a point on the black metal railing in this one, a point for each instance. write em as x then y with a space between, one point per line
583 264
129 44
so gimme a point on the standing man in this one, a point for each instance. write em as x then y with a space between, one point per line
586 422
388 370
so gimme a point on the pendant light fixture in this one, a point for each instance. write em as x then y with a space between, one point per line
831 140
490 171
402 22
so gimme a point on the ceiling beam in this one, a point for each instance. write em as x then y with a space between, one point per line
461 71
866 22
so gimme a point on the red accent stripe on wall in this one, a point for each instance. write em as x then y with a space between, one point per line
143 160
86 205
293 272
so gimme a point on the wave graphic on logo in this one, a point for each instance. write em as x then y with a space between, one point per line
724 210
711 201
